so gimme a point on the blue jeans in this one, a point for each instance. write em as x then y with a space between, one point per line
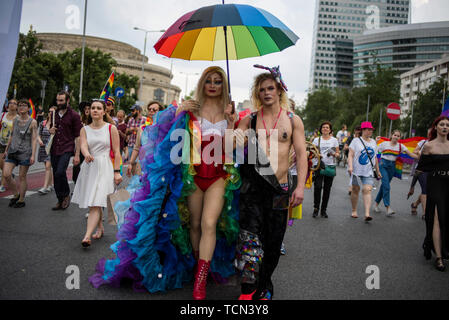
387 169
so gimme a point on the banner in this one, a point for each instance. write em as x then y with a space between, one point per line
10 16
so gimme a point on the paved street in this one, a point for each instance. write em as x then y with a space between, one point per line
326 258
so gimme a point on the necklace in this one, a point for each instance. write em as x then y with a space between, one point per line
265 126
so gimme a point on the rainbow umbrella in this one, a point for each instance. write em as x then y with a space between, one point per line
225 31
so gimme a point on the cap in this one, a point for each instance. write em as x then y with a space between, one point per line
366 125
111 99
137 107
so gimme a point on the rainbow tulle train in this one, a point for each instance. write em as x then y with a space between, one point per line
153 243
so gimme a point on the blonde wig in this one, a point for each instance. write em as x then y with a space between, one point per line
257 104
199 93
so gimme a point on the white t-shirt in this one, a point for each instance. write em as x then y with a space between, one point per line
361 165
341 135
390 152
327 146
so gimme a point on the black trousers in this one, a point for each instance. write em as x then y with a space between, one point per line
258 217
321 183
60 164
76 169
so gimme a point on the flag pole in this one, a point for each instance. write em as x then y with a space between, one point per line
82 53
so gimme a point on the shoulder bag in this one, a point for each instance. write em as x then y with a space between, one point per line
328 170
369 158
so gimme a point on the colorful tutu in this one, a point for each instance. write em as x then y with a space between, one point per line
153 246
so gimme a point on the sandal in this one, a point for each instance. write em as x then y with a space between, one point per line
86 243
439 264
98 234
368 219
414 209
354 216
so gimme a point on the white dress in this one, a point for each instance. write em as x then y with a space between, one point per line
96 179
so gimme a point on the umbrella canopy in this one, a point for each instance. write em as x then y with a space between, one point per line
200 34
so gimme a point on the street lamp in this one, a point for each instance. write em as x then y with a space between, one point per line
187 79
144 52
82 54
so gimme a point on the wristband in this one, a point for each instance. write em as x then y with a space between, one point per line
117 171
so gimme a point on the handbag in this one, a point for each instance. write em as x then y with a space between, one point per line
326 169
369 158
112 199
13 150
50 140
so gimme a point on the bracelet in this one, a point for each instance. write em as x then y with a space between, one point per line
117 171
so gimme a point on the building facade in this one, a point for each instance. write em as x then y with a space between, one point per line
156 83
421 78
400 47
336 24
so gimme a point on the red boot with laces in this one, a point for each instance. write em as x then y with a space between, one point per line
199 287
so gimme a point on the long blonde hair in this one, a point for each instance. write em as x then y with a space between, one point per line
199 92
257 104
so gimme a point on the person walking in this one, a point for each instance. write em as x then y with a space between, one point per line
84 108
435 161
390 151
66 130
134 123
98 173
187 213
323 179
121 127
6 121
265 195
20 151
42 138
362 163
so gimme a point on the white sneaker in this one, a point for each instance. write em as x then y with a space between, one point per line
390 212
43 190
376 209
2 189
49 189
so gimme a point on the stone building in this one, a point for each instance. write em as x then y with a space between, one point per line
156 82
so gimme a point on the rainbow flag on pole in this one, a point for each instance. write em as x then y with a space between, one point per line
107 90
446 108
410 144
32 109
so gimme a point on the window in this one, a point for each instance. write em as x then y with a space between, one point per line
159 95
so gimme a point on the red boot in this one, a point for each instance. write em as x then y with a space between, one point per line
199 287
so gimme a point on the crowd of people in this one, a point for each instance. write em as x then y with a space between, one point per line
210 215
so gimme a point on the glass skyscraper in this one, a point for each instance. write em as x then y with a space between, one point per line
336 24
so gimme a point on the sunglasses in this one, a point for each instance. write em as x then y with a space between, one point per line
153 110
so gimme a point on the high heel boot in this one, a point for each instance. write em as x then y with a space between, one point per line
199 287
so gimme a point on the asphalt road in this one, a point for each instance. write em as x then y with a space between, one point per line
326 258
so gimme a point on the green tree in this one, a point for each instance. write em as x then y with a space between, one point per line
97 69
30 67
427 107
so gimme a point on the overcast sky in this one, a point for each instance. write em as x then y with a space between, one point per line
115 19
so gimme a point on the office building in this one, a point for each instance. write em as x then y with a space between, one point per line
336 24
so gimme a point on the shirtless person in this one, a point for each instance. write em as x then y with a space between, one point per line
264 197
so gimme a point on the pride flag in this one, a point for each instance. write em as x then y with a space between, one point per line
107 90
410 144
32 109
446 108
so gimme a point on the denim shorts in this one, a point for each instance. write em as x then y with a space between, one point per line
25 163
365 180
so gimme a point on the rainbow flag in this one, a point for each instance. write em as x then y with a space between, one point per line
410 144
446 108
107 90
32 109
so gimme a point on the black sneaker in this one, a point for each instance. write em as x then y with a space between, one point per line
13 201
315 213
19 204
324 214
